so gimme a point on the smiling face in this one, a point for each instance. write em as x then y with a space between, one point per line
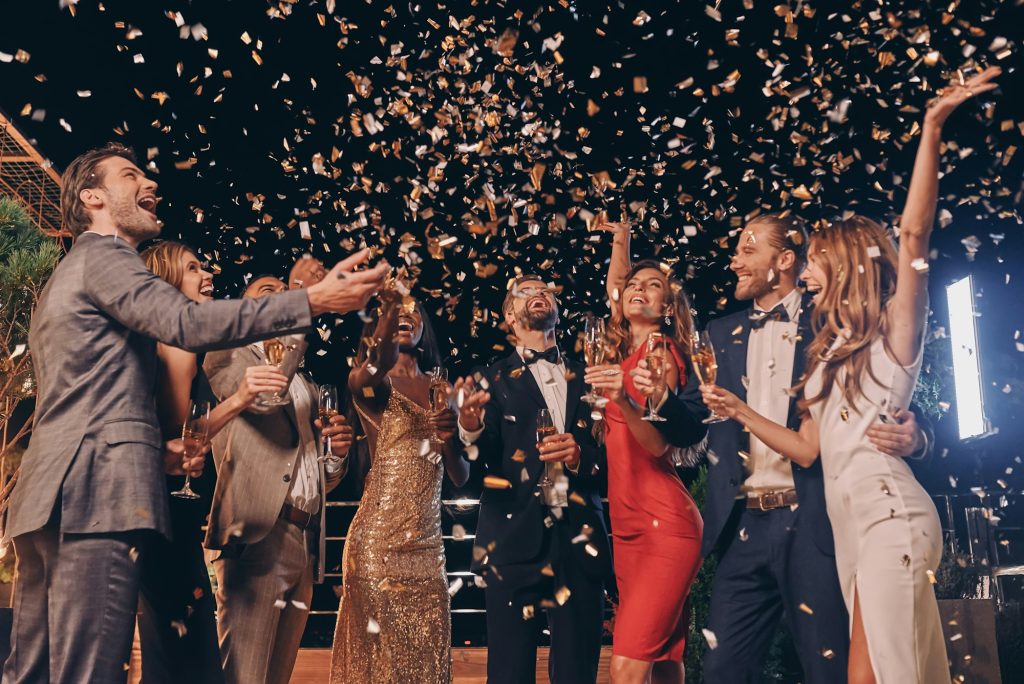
410 325
755 262
127 197
815 277
645 296
532 307
265 286
196 283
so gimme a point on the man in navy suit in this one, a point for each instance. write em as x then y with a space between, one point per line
765 517
539 547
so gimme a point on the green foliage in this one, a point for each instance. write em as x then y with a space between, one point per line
27 257
934 391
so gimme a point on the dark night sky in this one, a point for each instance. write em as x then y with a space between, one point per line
257 116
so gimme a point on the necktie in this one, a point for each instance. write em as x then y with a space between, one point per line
759 318
531 356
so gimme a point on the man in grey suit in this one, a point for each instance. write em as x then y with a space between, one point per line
92 489
267 518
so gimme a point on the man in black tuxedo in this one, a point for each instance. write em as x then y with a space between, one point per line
764 516
540 547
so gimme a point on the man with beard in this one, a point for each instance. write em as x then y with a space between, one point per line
92 489
765 516
541 543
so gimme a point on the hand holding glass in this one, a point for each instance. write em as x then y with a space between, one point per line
702 354
656 357
274 352
594 350
194 435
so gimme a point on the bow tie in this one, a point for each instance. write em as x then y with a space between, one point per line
759 318
531 356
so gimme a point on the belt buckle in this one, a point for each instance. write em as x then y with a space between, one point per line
769 501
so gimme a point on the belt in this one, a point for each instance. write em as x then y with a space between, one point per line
299 518
772 500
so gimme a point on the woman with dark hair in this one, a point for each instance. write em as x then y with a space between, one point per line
656 527
394 623
177 629
870 310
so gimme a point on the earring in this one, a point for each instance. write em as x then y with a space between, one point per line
668 318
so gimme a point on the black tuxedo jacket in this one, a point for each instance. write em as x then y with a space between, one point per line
511 527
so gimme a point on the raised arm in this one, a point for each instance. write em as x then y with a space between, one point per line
620 261
382 355
908 308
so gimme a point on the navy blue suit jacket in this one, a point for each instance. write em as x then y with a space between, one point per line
511 526
726 440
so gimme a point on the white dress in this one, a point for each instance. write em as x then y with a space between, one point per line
887 532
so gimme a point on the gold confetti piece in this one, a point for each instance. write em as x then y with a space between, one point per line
711 638
806 608
562 595
495 482
372 627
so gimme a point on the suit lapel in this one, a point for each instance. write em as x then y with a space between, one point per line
735 356
573 392
520 379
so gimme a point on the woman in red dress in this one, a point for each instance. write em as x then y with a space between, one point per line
656 527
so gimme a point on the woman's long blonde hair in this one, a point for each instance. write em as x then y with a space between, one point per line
164 259
679 327
859 262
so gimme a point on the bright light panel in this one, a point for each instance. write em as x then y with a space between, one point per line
963 333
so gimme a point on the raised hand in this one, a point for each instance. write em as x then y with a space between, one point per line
473 400
345 289
258 379
643 379
955 94
721 401
340 433
605 379
614 228
445 423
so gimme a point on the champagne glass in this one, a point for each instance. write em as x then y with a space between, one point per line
594 350
545 428
327 404
274 352
194 434
438 397
702 353
656 357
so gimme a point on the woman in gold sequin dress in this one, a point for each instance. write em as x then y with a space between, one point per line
394 624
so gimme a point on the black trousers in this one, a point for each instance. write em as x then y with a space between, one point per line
74 606
516 616
772 569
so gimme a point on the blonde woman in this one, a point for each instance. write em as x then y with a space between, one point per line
871 306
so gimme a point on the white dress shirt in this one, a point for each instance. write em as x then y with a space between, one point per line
771 352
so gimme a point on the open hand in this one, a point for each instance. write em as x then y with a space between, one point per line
345 289
614 228
955 94
899 437
474 399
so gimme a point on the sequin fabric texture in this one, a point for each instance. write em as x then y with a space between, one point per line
394 624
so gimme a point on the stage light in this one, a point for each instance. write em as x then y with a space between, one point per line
963 335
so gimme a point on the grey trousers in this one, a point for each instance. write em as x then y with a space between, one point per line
263 600
74 607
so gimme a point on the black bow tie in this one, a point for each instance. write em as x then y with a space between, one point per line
531 356
759 318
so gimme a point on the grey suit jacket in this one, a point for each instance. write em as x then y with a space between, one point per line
255 455
96 449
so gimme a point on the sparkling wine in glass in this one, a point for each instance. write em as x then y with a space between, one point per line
656 356
327 405
438 397
274 352
594 349
546 428
194 434
702 354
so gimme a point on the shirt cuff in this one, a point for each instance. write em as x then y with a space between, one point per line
469 438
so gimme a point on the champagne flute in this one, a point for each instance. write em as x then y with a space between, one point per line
274 352
327 404
594 350
545 428
194 434
702 353
656 357
438 397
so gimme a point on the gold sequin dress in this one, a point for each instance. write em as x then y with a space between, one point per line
394 624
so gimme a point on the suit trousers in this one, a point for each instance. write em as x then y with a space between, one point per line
263 598
74 606
772 568
576 626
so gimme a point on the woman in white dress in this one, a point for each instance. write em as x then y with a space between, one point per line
871 306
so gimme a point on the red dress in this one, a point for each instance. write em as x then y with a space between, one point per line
656 531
